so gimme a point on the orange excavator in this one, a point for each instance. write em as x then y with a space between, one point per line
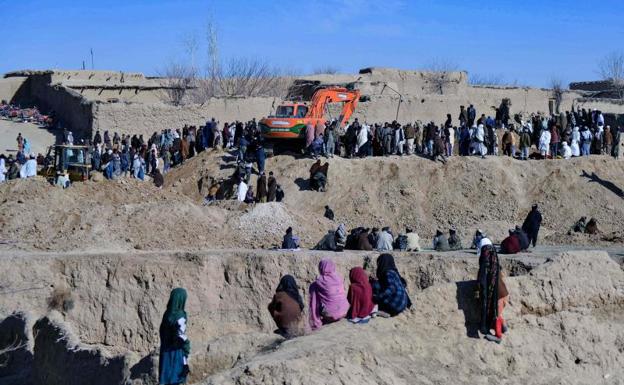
288 124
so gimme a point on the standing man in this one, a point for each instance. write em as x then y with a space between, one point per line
272 187
261 188
463 116
532 224
472 115
410 134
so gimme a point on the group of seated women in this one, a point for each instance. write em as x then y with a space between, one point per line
385 296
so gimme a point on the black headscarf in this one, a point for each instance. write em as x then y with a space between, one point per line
289 286
385 263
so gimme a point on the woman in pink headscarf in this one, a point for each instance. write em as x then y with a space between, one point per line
328 301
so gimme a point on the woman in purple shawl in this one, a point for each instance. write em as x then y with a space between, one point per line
328 300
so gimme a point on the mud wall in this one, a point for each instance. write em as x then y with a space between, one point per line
10 86
615 106
83 107
135 118
72 110
434 107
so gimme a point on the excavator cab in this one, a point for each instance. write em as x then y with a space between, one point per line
291 111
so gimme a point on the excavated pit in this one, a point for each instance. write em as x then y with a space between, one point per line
110 335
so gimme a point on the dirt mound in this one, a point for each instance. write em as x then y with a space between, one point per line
565 318
494 193
469 193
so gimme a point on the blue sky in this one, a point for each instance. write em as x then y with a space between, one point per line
527 41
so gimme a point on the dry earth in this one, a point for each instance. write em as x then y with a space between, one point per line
494 194
85 284
565 318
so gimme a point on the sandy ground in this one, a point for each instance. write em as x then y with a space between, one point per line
116 248
40 138
494 194
564 317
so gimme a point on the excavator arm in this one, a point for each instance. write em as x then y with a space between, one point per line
325 96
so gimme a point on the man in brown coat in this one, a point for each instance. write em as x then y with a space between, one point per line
272 187
363 242
262 188
184 148
410 135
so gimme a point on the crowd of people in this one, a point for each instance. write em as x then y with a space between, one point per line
384 293
381 294
565 135
23 165
578 132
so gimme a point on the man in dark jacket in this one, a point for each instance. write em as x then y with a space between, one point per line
472 115
290 242
261 188
463 116
532 224
272 187
440 243
329 213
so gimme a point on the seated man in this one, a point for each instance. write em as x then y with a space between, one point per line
385 240
319 178
440 243
454 241
579 226
328 242
363 242
290 241
249 198
511 244
592 227
413 241
329 213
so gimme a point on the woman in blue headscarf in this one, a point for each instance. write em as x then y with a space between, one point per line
174 344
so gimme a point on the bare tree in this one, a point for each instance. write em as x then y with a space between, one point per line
214 67
611 67
557 89
191 46
439 74
326 70
235 77
177 80
249 77
486 80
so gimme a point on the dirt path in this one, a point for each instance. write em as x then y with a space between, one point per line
40 138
